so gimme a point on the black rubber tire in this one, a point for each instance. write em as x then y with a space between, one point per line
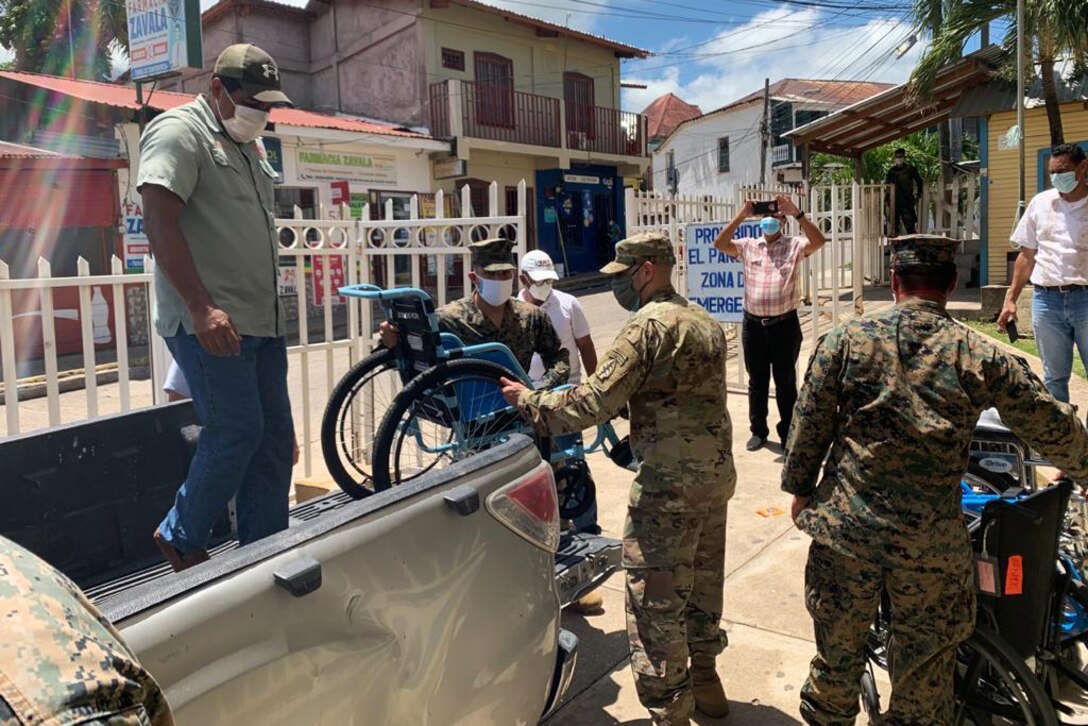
439 375
870 699
1008 667
579 482
358 483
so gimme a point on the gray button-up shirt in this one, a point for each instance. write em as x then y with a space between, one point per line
228 219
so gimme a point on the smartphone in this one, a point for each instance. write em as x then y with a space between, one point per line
765 208
1013 333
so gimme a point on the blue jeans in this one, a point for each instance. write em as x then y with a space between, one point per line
245 446
1060 319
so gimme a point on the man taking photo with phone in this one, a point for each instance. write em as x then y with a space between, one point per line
771 332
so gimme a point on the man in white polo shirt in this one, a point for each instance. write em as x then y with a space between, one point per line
538 277
1053 240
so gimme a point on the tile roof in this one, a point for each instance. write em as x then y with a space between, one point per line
18 151
125 97
667 112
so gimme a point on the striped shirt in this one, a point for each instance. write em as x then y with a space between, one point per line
771 274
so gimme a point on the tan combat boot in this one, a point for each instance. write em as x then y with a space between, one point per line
707 687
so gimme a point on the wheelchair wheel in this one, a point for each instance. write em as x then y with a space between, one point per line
448 413
993 685
576 489
355 408
870 698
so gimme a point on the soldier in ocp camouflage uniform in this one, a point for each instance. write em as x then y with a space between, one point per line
896 396
61 662
490 315
668 363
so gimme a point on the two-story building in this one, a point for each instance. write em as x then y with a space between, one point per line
517 97
715 152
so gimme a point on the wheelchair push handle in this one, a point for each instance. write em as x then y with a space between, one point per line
373 292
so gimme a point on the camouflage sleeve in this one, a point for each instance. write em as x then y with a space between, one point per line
555 357
623 369
1046 424
814 416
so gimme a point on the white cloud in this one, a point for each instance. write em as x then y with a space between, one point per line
775 44
6 55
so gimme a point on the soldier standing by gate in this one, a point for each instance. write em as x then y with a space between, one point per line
896 396
668 363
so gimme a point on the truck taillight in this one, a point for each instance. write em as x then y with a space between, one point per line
529 507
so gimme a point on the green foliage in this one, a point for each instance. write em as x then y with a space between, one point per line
922 152
1055 29
61 36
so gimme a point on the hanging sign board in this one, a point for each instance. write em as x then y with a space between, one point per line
164 37
335 166
715 279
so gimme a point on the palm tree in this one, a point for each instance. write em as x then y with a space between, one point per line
1055 30
74 38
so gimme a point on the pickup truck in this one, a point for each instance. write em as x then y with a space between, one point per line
434 602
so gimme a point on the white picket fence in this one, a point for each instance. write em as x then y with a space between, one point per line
421 252
827 275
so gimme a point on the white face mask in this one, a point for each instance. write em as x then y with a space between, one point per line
247 123
495 292
541 290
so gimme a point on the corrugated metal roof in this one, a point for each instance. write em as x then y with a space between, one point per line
893 114
18 151
125 97
621 48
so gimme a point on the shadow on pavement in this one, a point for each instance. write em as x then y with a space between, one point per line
599 654
748 713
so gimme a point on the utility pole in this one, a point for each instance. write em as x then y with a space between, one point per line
1021 59
765 131
71 49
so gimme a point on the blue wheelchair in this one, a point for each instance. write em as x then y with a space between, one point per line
432 401
1024 656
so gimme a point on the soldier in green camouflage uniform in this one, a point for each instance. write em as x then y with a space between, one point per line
895 396
668 363
524 329
61 662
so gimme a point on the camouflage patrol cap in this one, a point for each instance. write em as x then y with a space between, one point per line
645 246
493 255
254 70
923 250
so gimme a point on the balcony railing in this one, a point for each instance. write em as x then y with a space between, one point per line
782 154
484 111
604 130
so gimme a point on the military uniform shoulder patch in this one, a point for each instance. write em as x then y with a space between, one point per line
607 368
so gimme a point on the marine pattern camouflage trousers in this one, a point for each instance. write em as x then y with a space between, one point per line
933 611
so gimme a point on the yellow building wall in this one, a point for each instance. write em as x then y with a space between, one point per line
539 63
1003 168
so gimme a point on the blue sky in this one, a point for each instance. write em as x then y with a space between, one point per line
712 52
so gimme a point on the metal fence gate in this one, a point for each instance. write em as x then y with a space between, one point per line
329 333
833 279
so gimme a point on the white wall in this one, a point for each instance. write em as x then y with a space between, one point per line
695 148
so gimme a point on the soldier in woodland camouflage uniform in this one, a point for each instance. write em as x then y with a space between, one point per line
524 329
668 363
895 396
60 661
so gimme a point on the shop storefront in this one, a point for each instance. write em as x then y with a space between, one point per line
580 213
